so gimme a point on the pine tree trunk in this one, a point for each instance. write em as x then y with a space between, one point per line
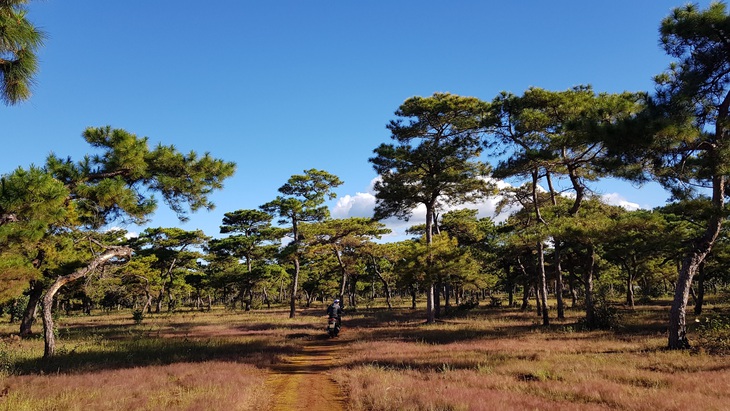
148 301
525 287
29 315
543 283
588 288
525 296
700 289
294 286
430 313
571 285
630 290
447 299
160 297
386 287
678 312
690 266
267 300
353 292
437 300
559 282
48 326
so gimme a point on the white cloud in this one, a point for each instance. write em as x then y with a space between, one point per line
363 204
359 205
618 200
127 234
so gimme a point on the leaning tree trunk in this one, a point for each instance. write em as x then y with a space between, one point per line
690 266
700 300
386 287
98 261
29 315
148 301
677 313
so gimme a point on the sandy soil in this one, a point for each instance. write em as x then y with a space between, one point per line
304 382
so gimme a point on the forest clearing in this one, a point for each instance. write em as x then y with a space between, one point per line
484 267
478 359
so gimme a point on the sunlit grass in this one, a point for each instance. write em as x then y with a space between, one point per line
186 360
481 359
502 359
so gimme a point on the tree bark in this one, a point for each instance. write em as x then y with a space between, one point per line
437 299
542 277
630 290
700 301
343 272
559 281
447 299
588 288
558 270
677 313
703 245
525 287
542 283
430 313
97 262
690 265
294 287
29 315
386 287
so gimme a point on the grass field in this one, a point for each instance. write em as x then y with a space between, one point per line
481 359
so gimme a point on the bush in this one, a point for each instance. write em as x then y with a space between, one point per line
714 334
605 316
17 307
138 316
468 305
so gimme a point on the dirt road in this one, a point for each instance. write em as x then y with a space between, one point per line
303 382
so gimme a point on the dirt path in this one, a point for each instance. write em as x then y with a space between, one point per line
303 382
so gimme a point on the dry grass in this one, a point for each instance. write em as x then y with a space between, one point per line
183 361
180 386
501 360
484 359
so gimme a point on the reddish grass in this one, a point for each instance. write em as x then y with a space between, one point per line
482 363
181 386
483 360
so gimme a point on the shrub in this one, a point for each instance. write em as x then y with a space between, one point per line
138 316
605 316
17 307
714 334
468 305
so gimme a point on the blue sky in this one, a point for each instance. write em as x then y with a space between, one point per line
283 86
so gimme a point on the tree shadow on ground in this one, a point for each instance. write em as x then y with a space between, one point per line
154 352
